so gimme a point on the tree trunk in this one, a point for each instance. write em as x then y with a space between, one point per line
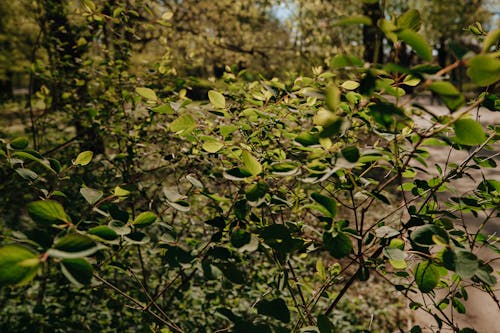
372 36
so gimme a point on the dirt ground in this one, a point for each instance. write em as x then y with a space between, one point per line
482 312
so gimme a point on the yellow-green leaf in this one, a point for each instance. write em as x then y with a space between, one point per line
145 219
47 212
84 158
484 70
469 132
251 163
217 99
491 39
146 93
18 265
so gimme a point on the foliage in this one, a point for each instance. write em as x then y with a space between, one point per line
258 209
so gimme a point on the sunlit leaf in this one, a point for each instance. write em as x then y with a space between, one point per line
47 212
147 93
217 99
469 132
18 265
426 276
251 163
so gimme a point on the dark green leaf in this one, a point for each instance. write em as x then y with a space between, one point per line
276 308
339 245
73 246
351 154
417 42
19 143
428 235
257 191
328 203
103 232
325 325
78 271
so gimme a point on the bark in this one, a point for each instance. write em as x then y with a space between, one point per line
372 35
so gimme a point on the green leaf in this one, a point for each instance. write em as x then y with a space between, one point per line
251 163
19 143
232 272
351 154
332 96
78 271
240 237
145 219
484 70
354 20
350 85
468 330
146 93
469 132
325 325
396 257
184 123
121 192
328 203
466 264
33 156
428 235
450 95
491 39
103 232
285 168
338 245
91 195
18 265
409 20
426 276
163 109
47 212
342 61
212 146
417 42
457 305
217 99
83 158
276 308
137 238
73 246
119 227
444 88
278 237
257 191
